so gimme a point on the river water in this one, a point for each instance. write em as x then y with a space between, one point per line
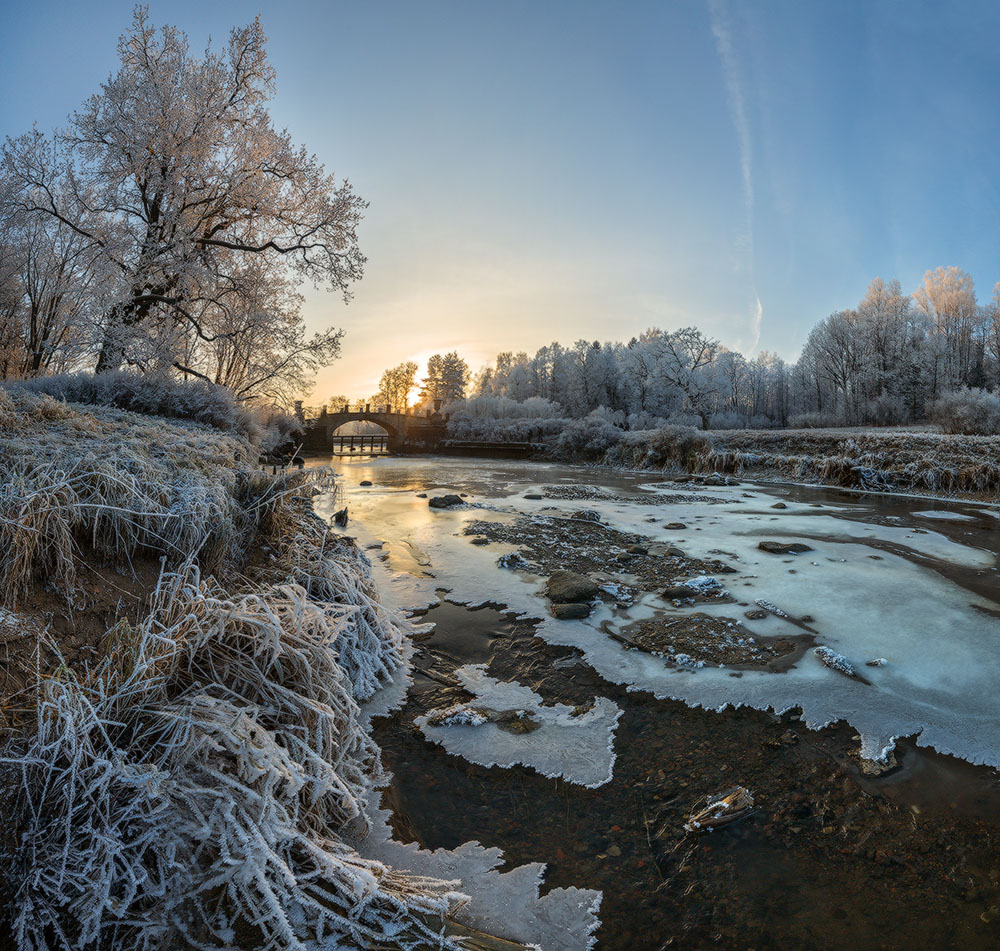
910 585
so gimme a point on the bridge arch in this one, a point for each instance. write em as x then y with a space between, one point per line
384 420
407 429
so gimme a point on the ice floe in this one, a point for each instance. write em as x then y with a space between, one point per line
505 904
577 745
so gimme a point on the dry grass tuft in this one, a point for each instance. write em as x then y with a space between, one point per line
188 792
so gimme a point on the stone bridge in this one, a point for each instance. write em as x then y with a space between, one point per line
405 431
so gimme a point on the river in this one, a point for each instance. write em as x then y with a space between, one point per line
867 786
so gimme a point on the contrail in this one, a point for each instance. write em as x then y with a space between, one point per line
737 109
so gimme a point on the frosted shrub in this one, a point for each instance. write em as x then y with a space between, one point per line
665 447
887 409
967 411
590 437
500 419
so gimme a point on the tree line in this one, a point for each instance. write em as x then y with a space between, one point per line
880 363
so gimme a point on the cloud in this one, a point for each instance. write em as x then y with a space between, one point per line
722 32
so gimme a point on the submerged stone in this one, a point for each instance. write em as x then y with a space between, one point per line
565 586
570 611
445 501
784 548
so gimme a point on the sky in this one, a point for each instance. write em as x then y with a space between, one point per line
566 169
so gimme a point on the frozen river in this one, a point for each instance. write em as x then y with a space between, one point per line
911 582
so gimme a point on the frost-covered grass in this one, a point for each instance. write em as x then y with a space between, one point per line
189 791
193 786
876 459
119 483
896 459
164 396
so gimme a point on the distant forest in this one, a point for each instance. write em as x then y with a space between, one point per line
888 361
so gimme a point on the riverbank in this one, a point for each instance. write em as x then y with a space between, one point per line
185 650
893 460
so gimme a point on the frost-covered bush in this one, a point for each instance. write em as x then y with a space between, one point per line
590 437
665 447
888 409
814 421
733 420
726 420
967 411
155 394
500 419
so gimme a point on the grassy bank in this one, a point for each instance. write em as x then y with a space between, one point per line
184 650
875 459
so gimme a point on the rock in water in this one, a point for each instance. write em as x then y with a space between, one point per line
445 501
364 482
835 661
779 505
784 548
565 587
513 560
573 611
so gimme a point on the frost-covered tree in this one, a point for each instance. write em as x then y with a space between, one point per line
175 179
446 380
947 296
46 291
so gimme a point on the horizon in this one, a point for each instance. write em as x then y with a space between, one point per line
597 171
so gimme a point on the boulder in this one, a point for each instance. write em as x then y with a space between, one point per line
676 591
534 496
783 548
444 501
779 505
566 587
676 526
364 482
586 515
570 612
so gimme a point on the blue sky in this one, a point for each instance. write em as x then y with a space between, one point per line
558 170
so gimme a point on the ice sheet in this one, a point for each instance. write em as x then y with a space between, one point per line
868 601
